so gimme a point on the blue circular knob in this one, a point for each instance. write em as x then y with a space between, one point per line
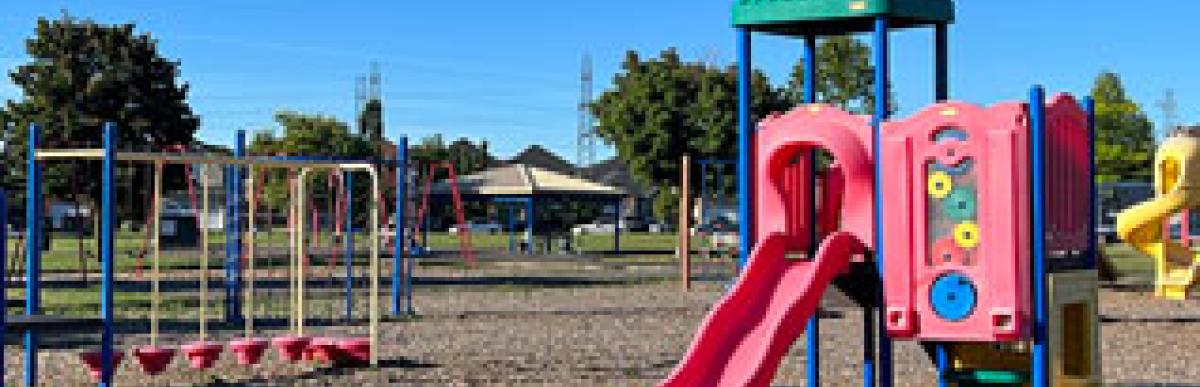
953 296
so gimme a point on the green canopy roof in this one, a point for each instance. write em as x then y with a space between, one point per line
837 17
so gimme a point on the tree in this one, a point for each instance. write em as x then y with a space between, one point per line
662 108
1124 135
314 135
82 75
370 120
85 74
467 157
845 76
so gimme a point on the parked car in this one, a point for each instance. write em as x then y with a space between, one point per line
490 228
599 226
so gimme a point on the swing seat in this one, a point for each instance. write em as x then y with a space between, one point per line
202 354
153 360
354 351
249 351
91 360
291 348
323 349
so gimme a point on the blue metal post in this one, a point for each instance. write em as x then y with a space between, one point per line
1089 107
3 264
813 368
1040 366
941 85
512 228
107 221
349 259
399 268
745 148
704 204
233 236
529 222
33 250
941 62
943 364
882 111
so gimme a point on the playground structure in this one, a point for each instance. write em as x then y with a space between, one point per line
1145 225
240 253
966 226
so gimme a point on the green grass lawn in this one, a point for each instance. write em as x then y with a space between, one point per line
586 242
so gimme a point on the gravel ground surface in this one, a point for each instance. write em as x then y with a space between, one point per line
624 334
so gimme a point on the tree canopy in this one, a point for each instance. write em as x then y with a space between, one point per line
370 120
662 108
466 156
1124 135
81 75
845 76
311 135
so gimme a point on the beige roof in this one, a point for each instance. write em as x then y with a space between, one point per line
525 180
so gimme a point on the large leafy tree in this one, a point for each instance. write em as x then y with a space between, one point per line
314 135
466 156
1124 135
83 74
662 108
845 76
370 120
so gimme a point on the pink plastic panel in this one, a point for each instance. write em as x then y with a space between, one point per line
1067 174
957 204
783 145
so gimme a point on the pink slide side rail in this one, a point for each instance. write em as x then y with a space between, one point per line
743 340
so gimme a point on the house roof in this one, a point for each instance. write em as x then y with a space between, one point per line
537 156
613 172
525 180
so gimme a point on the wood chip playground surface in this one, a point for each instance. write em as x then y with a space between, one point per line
589 324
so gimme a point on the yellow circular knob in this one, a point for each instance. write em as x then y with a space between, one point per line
940 184
966 234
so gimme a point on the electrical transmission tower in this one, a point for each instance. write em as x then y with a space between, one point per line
1170 112
586 141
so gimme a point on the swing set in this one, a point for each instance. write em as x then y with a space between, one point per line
202 353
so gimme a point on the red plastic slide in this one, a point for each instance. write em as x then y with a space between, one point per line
742 341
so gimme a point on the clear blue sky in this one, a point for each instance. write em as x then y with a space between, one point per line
508 71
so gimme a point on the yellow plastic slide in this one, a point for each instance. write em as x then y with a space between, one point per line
1176 187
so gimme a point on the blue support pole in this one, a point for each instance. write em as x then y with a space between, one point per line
3 264
745 148
1093 250
882 111
941 62
33 251
512 228
813 335
941 85
400 273
1040 367
529 222
349 259
943 364
233 236
107 221
704 204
